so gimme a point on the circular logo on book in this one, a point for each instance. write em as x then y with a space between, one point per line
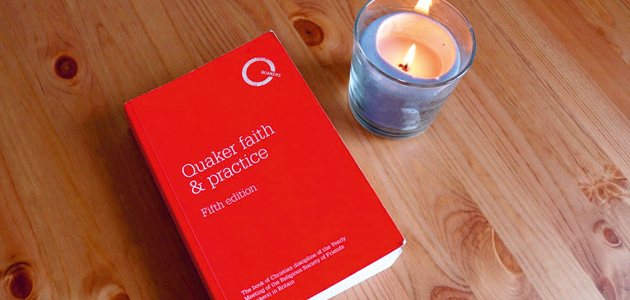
265 75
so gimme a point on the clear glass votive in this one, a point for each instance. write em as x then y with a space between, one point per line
391 96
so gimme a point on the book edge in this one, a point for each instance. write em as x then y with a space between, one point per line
364 274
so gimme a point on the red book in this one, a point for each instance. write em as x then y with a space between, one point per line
263 190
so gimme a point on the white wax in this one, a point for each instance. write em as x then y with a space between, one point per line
387 40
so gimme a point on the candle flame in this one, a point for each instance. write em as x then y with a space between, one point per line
423 6
410 54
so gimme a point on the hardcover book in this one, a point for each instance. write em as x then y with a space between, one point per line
267 198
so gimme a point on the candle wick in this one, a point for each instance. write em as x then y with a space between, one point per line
404 67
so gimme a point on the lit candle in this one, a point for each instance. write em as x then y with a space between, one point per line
411 47
406 65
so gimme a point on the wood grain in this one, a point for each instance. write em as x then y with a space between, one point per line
518 191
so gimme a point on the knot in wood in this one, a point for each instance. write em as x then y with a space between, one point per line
66 67
20 279
505 257
121 297
448 293
606 234
611 237
612 186
606 288
112 291
311 33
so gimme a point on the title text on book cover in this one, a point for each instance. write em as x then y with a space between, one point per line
216 157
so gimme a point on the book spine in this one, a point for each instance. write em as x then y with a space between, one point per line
161 179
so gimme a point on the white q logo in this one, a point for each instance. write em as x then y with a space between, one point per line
272 73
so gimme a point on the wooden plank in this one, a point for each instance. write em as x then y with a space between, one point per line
518 191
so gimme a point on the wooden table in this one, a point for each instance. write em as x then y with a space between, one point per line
518 191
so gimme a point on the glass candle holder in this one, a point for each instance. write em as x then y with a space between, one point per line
408 57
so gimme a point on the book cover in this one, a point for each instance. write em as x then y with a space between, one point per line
264 192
